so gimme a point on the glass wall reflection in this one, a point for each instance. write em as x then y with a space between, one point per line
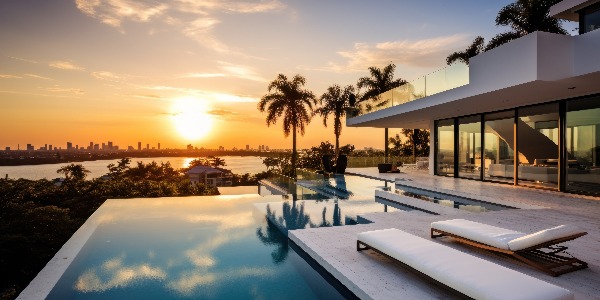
445 147
583 136
469 147
499 158
537 140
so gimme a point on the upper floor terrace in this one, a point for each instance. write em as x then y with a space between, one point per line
539 67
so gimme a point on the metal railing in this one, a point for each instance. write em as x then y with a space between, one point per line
448 78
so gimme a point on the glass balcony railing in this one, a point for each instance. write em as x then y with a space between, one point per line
439 81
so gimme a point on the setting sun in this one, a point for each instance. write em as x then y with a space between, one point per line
191 119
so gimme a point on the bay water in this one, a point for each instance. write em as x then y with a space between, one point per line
237 164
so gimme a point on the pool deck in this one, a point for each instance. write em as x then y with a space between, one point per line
372 276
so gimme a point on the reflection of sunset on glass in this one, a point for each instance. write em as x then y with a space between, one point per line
191 118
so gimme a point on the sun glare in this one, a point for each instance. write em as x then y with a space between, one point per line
191 119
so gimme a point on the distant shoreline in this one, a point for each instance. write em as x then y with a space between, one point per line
24 158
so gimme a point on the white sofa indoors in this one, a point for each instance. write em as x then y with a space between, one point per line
467 274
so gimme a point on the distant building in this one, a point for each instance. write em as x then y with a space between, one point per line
7 149
210 176
247 147
96 147
110 145
69 146
30 147
147 146
130 148
139 146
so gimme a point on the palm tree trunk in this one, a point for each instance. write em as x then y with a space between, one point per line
337 145
294 154
414 147
387 148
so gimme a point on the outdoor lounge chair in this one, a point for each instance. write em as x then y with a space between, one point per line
469 275
539 249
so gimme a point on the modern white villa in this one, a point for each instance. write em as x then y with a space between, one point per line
209 176
525 113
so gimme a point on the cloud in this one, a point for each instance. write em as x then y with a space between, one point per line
107 76
9 76
203 75
206 95
37 76
230 70
424 53
65 65
242 72
222 113
23 59
147 96
194 19
65 90
113 12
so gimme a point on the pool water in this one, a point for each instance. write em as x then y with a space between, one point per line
324 202
458 202
215 247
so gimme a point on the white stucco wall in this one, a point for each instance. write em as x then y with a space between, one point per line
586 53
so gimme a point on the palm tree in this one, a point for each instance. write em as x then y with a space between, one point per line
334 102
381 81
287 98
478 46
524 17
74 172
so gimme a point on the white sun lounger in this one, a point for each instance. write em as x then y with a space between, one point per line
538 249
464 273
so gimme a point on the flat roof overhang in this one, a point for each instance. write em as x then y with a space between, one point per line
419 113
567 9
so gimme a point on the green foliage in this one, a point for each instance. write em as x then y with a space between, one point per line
288 99
335 102
210 161
414 143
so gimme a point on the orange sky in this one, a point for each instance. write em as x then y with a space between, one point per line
117 70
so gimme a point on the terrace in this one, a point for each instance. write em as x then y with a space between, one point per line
371 276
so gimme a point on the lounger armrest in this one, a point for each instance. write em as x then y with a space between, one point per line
541 238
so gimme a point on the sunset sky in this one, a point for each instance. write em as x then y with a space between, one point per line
149 71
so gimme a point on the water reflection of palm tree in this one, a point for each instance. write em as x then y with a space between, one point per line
293 217
273 236
337 216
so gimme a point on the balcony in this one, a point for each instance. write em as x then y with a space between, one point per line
445 79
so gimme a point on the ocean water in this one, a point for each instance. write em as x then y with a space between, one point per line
237 164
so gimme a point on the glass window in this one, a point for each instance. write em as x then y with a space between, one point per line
445 147
469 147
538 145
499 158
583 149
590 19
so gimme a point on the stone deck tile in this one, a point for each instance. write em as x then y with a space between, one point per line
372 276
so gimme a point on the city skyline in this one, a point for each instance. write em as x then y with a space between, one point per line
192 72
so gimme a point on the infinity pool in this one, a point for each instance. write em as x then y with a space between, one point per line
215 247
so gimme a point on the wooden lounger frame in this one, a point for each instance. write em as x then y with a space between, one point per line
555 261
424 276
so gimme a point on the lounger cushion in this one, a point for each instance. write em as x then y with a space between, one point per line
543 236
470 275
482 233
